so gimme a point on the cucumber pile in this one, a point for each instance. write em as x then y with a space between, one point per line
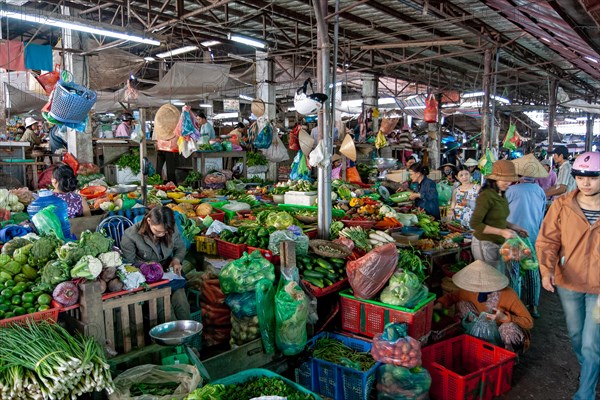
321 271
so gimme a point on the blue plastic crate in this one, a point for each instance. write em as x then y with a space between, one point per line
336 381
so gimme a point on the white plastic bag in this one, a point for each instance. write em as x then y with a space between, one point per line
277 152
317 156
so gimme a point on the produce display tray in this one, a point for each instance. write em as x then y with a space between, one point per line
318 292
48 315
243 376
336 213
333 380
369 317
468 368
230 250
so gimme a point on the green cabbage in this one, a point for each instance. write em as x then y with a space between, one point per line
280 220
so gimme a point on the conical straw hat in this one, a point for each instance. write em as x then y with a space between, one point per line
258 108
480 277
470 163
348 148
165 121
529 166
306 142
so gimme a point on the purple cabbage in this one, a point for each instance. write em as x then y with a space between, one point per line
153 272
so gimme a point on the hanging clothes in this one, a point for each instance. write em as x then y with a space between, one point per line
12 55
38 56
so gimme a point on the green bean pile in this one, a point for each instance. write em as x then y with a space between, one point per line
336 352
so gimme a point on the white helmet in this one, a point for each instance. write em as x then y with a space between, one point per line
308 104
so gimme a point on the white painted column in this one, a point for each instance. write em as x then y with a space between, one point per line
265 90
370 95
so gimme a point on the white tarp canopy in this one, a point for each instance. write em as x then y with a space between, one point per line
111 101
563 99
22 101
190 81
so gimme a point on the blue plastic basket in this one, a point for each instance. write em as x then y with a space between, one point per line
71 102
333 380
244 376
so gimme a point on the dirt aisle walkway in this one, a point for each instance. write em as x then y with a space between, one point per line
549 370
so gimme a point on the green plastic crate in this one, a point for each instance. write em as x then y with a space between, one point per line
243 376
197 341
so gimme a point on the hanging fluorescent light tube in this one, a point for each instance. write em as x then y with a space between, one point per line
150 59
471 95
500 99
412 96
210 43
414 108
177 52
58 23
386 100
205 105
246 40
245 97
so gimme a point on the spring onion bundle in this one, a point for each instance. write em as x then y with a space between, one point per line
43 361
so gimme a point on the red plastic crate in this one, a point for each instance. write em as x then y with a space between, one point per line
369 317
218 216
467 368
318 292
230 250
48 315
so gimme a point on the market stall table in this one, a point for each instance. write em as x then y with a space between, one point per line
107 151
199 159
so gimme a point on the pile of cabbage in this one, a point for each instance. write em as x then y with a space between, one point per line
10 201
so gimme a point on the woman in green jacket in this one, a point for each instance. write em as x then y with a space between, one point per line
156 239
489 219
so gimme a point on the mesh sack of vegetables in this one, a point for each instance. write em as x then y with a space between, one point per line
242 304
399 383
241 275
291 314
243 330
404 289
215 314
265 300
370 273
394 346
156 382
482 327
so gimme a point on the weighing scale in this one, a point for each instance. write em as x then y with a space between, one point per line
180 334
383 165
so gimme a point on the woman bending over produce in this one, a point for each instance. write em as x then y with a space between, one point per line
426 195
65 184
156 239
484 289
489 219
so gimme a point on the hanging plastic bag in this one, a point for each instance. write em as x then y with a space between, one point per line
291 315
486 165
264 138
277 152
46 222
265 300
186 377
510 134
187 146
399 383
242 304
317 156
189 126
444 193
293 142
483 327
72 162
370 273
430 114
394 346
380 141
300 170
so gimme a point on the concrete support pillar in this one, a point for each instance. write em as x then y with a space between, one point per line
370 95
78 143
265 83
265 90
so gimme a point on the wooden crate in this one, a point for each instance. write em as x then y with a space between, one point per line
121 322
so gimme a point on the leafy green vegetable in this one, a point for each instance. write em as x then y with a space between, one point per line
280 220
90 244
43 250
335 229
55 272
130 159
21 255
254 158
154 180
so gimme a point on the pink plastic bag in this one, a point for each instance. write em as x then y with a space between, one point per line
370 273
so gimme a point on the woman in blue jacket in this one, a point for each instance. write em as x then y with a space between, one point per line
426 195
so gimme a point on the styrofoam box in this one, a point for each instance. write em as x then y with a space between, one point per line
115 175
301 198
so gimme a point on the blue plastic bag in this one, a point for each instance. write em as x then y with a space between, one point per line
242 304
264 138
299 168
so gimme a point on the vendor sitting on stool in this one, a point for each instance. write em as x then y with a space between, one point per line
484 289
156 239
